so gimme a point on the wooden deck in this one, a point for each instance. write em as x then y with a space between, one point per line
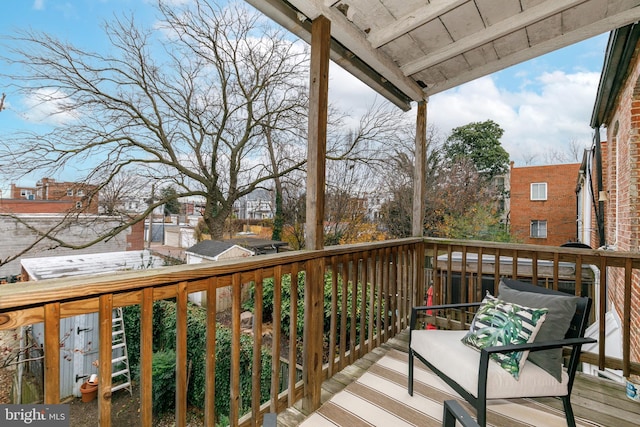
595 401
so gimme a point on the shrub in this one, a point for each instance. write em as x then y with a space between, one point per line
131 317
164 381
268 291
164 338
223 372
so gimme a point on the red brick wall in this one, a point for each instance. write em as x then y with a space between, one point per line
51 190
559 210
135 240
23 206
622 181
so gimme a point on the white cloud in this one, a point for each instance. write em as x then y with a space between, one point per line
349 93
544 116
541 114
38 5
46 107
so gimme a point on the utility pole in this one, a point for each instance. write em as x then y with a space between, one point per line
151 200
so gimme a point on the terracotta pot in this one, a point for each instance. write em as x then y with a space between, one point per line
89 391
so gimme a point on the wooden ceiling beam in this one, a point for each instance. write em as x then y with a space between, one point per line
355 41
601 26
500 29
300 25
412 21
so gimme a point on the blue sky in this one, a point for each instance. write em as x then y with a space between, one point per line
78 21
543 104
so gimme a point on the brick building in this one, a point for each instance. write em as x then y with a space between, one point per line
543 205
34 211
617 167
68 196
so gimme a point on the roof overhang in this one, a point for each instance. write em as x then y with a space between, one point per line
407 50
620 48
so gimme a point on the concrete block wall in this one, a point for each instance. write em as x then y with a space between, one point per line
17 236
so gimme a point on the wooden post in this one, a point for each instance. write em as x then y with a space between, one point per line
314 279
210 384
181 355
234 405
317 144
313 333
52 353
105 316
257 346
146 357
420 169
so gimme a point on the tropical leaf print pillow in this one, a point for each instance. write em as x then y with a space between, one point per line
499 323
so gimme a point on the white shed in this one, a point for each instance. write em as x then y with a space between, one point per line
79 334
211 251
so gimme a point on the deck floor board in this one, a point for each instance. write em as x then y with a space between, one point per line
597 400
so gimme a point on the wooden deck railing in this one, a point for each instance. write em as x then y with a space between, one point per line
583 271
368 290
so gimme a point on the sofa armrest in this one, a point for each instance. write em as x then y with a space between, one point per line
538 346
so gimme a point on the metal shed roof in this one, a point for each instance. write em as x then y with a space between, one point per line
409 49
87 264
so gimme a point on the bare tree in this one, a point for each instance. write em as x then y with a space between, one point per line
529 158
183 105
397 175
345 201
294 212
554 157
121 188
283 133
576 151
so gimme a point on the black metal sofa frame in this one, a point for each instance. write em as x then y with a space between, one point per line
574 339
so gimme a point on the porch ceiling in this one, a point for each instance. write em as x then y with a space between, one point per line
409 49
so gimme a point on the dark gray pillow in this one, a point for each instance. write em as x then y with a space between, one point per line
561 311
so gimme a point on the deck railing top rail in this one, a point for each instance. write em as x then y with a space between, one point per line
22 295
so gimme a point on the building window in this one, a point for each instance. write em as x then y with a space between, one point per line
539 191
80 193
538 229
69 192
78 205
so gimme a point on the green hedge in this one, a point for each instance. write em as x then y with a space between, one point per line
164 339
164 381
268 293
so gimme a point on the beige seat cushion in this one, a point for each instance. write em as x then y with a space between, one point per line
459 362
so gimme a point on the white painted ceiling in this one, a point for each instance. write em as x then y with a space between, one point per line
410 49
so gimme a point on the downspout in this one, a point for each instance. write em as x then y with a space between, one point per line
596 290
578 237
600 210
